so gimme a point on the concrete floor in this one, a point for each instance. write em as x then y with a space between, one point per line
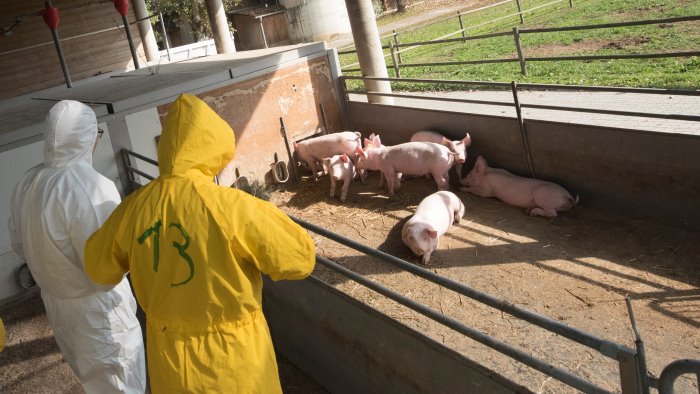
32 361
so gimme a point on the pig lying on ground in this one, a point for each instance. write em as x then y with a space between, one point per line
459 146
413 158
313 150
433 217
340 168
540 198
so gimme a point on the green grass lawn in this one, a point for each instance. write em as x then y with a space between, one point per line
679 72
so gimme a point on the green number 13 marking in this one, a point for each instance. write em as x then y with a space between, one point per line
155 231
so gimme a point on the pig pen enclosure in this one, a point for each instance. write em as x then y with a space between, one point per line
552 294
577 269
630 248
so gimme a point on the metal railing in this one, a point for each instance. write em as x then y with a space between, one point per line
517 105
631 363
395 51
463 30
131 170
632 378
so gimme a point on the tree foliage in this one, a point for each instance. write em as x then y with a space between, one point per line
192 12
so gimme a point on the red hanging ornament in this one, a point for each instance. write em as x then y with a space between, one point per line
122 6
50 15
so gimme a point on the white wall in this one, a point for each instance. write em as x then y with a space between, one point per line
143 128
317 20
13 164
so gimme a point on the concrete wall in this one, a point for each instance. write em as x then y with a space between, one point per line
642 174
91 39
253 108
349 347
317 20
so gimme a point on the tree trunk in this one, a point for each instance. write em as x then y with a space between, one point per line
401 5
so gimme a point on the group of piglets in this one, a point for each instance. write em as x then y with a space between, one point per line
342 156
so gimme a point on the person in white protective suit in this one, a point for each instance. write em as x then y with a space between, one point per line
56 206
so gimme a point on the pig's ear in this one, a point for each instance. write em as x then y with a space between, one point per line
467 140
445 141
480 165
368 142
377 141
371 137
431 233
343 158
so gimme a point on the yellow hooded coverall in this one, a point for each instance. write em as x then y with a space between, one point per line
195 251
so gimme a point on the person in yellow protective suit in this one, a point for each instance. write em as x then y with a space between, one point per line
195 251
3 336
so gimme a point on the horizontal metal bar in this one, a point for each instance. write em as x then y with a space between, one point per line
610 25
448 99
142 157
538 86
446 19
692 118
535 86
605 347
143 174
485 61
502 347
449 40
606 57
433 81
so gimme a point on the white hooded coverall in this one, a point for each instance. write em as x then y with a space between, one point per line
56 206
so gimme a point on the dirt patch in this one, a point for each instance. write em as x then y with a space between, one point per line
576 268
585 46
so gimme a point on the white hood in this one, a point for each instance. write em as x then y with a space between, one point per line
71 131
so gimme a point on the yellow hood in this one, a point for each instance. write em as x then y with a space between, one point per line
194 138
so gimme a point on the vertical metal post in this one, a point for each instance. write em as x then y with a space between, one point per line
125 19
61 58
519 49
393 60
59 50
396 42
641 354
630 381
262 32
325 121
461 24
165 35
292 162
520 11
521 124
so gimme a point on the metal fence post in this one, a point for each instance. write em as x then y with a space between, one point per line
165 35
630 379
396 42
520 11
519 49
461 24
523 134
393 60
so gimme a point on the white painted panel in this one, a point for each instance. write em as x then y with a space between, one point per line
103 159
13 164
144 127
